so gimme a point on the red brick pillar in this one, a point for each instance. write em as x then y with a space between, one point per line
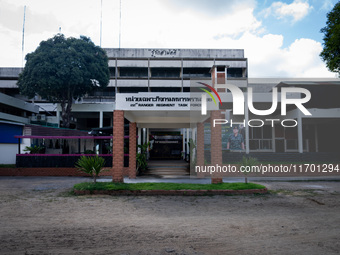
132 150
200 148
216 145
118 146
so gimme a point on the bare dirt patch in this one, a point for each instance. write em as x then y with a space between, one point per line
38 216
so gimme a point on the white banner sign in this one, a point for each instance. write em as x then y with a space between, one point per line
158 101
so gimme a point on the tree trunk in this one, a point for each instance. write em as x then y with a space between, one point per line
66 107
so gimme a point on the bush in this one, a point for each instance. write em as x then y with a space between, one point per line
34 149
91 165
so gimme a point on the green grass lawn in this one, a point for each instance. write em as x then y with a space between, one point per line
165 186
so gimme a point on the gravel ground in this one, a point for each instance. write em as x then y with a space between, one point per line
39 216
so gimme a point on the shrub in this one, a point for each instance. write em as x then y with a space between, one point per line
141 157
34 149
91 165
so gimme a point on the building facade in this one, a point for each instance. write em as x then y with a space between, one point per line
14 114
144 81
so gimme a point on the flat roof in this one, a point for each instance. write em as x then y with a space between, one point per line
174 53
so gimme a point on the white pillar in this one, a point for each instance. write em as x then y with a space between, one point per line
188 137
300 136
147 141
58 115
144 135
139 138
273 139
147 135
101 118
183 141
193 133
246 117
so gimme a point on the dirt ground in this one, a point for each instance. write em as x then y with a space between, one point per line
39 216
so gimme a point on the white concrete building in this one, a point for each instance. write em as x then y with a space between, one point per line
14 114
169 73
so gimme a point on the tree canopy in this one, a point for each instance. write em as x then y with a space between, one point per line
63 69
331 51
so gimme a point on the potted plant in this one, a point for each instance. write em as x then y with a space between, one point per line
141 157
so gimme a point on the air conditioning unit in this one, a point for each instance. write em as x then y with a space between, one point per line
41 117
33 118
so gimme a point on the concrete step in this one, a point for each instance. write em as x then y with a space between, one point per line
167 169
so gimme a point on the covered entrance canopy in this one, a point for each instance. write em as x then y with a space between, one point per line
167 131
147 116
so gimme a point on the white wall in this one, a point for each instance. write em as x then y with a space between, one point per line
8 153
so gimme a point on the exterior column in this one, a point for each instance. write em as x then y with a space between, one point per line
101 119
200 148
144 135
147 141
300 136
246 117
132 150
183 149
118 146
187 149
216 145
58 115
139 138
193 133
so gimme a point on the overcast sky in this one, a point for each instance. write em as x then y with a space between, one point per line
280 38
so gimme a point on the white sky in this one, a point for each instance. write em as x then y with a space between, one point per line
225 24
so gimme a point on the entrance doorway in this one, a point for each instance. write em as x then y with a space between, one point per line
165 145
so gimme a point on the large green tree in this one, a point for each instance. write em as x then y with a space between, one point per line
331 51
63 69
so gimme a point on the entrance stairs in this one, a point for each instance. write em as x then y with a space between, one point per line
167 169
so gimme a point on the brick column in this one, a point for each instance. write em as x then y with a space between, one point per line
216 145
118 146
200 148
132 150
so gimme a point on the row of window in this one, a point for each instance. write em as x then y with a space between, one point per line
110 91
171 72
266 144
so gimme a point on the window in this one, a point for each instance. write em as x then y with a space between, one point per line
133 72
196 72
170 72
260 138
234 72
220 68
165 89
293 145
106 92
132 89
112 72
